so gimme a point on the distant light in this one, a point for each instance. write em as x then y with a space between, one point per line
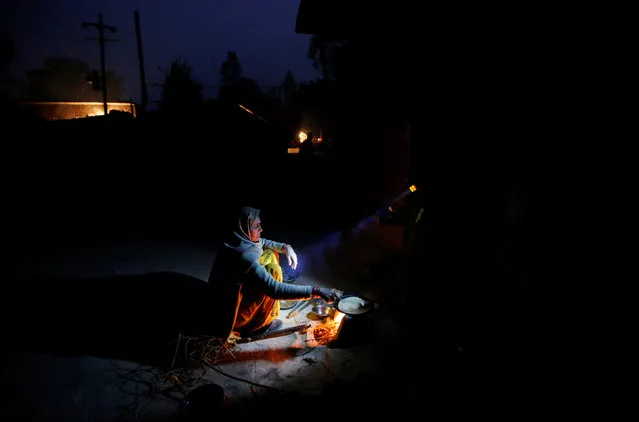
413 188
245 109
302 136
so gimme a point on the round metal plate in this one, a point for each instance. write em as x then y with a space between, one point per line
353 305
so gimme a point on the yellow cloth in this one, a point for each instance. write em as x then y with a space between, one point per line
257 310
271 261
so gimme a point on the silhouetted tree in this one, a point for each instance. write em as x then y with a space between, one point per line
274 93
235 88
289 87
231 71
65 79
326 54
181 90
245 91
315 95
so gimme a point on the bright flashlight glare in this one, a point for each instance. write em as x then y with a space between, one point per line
413 188
303 136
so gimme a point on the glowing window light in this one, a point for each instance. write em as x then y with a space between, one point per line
413 188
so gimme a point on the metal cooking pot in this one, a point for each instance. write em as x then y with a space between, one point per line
322 309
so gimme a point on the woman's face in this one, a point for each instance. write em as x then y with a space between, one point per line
255 231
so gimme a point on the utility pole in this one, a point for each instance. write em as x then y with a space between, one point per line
102 42
138 33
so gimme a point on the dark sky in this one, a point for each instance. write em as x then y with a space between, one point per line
262 32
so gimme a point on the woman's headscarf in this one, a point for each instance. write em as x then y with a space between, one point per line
240 239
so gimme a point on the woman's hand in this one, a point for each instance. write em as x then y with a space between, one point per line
291 256
329 295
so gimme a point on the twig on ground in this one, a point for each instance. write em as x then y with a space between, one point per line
200 355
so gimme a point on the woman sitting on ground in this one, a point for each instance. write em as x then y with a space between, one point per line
247 280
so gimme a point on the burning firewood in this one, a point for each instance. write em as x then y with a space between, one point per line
326 331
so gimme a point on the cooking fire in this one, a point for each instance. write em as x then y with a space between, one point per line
325 331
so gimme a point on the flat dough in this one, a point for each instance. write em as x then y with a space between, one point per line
353 305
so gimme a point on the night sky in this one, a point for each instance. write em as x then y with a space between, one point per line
262 32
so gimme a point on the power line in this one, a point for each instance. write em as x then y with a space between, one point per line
102 42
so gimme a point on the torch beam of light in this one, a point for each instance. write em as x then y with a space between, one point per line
333 239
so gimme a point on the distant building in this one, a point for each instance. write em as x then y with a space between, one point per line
65 110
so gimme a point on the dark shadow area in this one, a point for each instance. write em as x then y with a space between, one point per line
446 383
116 177
361 398
355 331
136 318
